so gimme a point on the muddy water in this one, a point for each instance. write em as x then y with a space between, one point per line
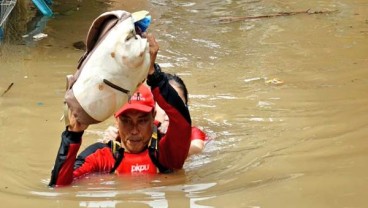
297 143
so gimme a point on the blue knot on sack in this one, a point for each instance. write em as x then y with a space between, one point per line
143 23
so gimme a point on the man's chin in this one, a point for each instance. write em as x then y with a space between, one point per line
134 147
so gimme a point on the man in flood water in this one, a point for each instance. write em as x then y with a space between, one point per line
142 150
197 137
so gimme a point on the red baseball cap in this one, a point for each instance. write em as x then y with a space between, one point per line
142 100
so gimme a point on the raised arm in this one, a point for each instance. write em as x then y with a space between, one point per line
174 146
71 139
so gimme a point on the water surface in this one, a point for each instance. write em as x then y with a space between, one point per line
299 143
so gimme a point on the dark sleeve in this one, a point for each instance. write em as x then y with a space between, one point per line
174 146
62 173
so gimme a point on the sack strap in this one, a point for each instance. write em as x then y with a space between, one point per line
114 86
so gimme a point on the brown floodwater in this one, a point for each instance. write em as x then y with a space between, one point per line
299 141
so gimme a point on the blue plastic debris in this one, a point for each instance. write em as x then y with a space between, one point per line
144 23
42 6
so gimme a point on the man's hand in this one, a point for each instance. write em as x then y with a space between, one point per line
74 125
153 50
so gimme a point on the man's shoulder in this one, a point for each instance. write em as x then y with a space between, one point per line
93 148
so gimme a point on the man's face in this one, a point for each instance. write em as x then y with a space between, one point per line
135 130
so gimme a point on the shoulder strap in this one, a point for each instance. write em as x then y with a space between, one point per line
117 152
79 161
153 151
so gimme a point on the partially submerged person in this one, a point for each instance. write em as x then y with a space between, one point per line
198 137
141 149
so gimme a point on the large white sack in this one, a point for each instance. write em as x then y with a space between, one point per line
115 63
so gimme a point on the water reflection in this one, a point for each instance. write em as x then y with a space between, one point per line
155 197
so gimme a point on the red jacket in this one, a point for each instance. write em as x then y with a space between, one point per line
171 153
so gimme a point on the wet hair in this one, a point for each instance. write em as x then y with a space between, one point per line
177 81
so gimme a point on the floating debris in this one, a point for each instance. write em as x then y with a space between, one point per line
274 81
80 45
9 87
231 19
39 36
253 79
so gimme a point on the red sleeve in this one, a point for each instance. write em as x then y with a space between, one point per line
95 158
174 145
62 173
197 134
66 172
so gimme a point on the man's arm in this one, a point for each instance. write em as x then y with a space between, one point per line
97 157
62 173
174 146
71 138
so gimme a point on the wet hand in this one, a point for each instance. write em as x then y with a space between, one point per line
153 50
74 125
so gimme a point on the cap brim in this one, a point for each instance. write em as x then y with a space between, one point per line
137 16
142 108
